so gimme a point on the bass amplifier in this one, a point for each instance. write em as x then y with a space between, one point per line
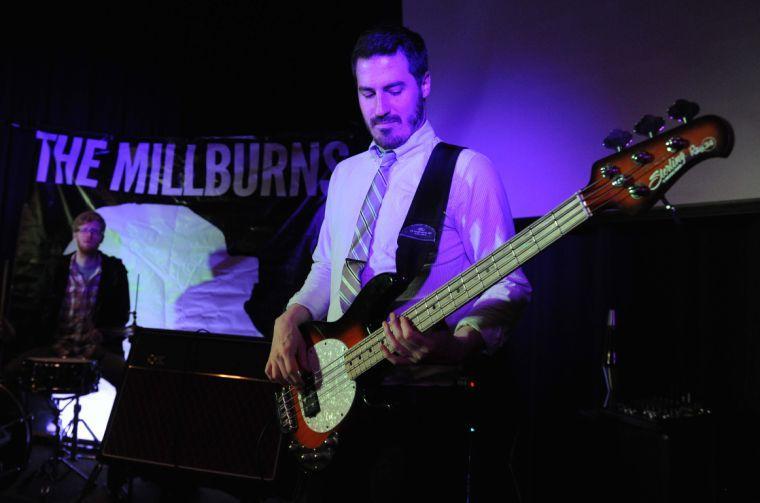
197 403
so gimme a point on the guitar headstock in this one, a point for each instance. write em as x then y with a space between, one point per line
635 177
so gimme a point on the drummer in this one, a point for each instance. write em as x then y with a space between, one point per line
86 306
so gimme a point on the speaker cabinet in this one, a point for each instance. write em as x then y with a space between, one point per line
634 460
197 403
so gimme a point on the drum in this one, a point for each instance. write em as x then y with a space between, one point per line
15 438
77 376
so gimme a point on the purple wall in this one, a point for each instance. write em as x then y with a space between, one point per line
536 87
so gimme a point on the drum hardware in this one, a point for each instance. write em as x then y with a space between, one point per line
63 453
74 376
66 380
15 429
15 438
70 434
137 293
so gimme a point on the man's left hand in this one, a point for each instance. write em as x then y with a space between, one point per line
405 345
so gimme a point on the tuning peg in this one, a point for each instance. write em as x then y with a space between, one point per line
638 191
672 209
617 139
683 111
649 125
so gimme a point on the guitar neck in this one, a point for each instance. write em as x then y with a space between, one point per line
477 278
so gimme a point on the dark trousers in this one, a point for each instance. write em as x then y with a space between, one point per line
416 450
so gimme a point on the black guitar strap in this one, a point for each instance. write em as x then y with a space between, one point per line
421 233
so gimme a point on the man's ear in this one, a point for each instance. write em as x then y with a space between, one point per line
425 85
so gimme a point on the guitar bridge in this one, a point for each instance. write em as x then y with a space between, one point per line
286 412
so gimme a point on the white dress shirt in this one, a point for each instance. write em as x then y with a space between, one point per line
477 221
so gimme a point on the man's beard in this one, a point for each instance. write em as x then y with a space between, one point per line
415 121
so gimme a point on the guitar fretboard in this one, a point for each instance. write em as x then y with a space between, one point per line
476 279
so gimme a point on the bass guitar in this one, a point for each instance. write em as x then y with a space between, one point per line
632 180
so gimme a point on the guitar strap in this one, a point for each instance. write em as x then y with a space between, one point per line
421 233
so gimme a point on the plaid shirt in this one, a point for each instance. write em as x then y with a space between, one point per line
75 327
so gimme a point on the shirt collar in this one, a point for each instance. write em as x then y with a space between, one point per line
419 138
75 267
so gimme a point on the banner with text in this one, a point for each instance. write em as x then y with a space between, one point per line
217 231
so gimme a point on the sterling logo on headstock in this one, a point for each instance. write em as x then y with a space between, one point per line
660 176
708 144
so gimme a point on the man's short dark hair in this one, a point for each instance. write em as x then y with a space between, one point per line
87 217
386 41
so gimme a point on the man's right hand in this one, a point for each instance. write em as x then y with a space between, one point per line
288 354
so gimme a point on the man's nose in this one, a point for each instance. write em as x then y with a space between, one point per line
381 105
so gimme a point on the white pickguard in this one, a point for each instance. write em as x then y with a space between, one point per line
335 389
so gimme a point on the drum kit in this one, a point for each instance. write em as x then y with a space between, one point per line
62 381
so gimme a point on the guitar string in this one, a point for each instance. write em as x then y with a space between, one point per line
340 383
512 256
540 227
374 338
371 340
591 200
520 240
443 307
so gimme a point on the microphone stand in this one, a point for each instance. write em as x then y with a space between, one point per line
609 372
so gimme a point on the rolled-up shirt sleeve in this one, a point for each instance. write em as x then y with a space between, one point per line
484 221
314 295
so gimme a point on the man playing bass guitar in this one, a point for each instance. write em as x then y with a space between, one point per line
368 200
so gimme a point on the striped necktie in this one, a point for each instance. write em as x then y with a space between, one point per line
359 253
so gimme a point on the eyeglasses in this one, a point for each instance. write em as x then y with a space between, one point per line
92 232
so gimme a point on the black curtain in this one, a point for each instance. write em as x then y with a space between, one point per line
686 296
177 69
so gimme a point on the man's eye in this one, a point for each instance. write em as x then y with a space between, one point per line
395 91
368 94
